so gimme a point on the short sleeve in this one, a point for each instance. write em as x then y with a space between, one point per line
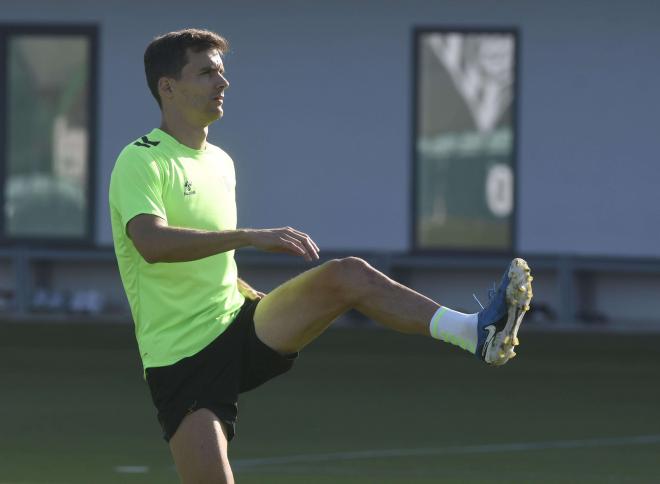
136 187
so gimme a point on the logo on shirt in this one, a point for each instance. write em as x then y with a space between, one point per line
188 188
146 142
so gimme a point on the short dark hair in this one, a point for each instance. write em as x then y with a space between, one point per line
166 54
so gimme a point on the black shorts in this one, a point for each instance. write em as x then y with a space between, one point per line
235 362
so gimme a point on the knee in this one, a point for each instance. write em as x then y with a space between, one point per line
347 276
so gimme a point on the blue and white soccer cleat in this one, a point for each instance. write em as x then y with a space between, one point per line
499 321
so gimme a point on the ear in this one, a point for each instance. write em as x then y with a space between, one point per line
166 87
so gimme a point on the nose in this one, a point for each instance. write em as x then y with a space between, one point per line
223 83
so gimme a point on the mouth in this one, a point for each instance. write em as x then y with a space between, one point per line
219 99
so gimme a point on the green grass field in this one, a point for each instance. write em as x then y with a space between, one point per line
361 406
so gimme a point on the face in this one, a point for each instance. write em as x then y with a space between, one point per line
198 94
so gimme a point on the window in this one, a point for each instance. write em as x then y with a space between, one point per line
464 140
48 131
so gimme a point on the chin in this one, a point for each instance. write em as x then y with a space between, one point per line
212 118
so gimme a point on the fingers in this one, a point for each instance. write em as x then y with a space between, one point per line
294 246
286 240
310 247
308 238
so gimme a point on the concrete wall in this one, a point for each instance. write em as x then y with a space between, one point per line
318 113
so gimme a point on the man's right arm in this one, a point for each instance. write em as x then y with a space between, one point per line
158 242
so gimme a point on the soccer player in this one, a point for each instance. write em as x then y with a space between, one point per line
205 335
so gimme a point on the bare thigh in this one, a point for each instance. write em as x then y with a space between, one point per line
299 310
199 447
295 313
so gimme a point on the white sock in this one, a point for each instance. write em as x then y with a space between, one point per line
456 328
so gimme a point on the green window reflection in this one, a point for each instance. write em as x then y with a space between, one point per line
47 157
465 140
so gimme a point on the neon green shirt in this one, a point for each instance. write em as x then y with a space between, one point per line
178 308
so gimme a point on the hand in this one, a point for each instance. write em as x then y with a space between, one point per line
248 292
286 240
252 294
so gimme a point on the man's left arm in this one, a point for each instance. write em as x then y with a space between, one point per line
248 292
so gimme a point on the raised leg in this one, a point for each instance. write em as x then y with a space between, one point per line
295 313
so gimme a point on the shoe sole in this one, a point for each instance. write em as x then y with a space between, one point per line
518 297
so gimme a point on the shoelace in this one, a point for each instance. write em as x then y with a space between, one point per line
478 302
491 295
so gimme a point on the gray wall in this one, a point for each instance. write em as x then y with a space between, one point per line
318 114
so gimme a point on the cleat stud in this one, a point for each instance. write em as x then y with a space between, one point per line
507 339
501 355
516 341
526 308
513 354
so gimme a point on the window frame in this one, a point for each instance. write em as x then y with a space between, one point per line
91 32
414 244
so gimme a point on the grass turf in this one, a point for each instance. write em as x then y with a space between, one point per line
73 408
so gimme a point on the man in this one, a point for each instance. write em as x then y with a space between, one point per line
204 335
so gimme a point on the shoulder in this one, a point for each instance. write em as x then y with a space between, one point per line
216 151
220 157
140 157
141 150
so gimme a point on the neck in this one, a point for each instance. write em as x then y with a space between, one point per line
191 136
